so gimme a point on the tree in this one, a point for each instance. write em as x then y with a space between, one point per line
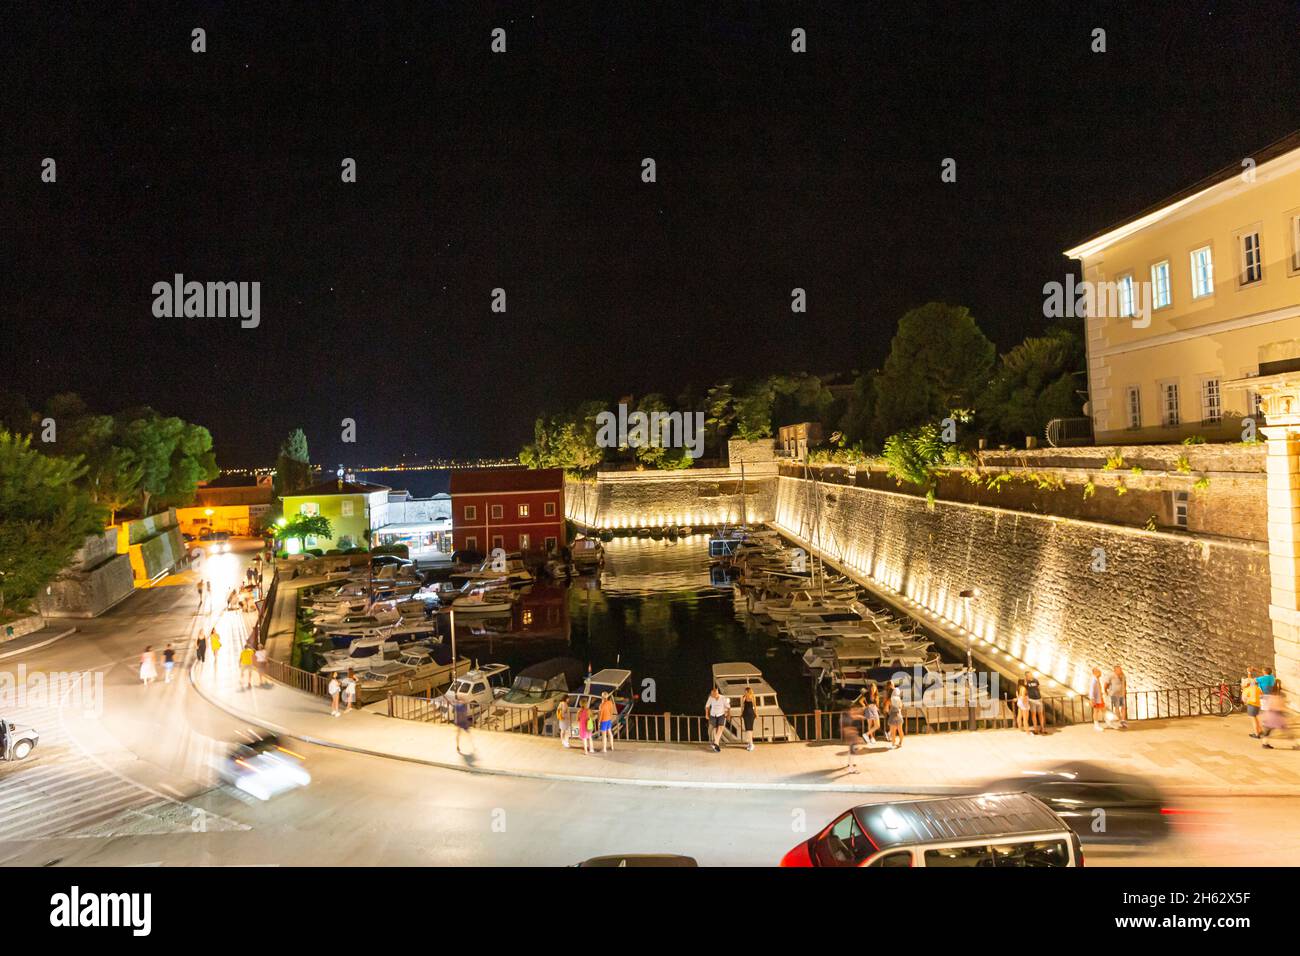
656 455
799 398
858 418
114 481
293 470
566 440
753 411
301 527
44 516
192 461
914 455
1035 382
152 439
938 360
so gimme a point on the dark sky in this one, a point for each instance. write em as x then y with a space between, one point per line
522 171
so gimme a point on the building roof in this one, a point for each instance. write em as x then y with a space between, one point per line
480 480
334 486
1281 147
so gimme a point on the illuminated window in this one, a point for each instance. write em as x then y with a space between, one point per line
1126 296
1160 294
524 542
1202 272
1252 265
528 617
1211 401
309 508
1169 414
523 511
345 508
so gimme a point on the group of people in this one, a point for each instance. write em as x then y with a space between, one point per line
591 719
344 689
149 665
879 706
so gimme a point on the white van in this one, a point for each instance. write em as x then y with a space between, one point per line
985 830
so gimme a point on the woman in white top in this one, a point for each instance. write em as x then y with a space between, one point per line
334 689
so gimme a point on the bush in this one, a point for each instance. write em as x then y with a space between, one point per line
315 551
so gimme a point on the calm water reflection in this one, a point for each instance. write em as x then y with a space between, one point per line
653 611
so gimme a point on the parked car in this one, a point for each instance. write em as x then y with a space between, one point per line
1100 805
982 830
390 560
263 767
16 741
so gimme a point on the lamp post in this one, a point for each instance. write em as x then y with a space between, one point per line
968 595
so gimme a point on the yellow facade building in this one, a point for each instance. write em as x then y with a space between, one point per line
1195 292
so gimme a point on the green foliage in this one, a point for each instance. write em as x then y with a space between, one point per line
302 527
657 455
1121 489
45 515
293 470
1136 469
857 420
1183 466
1089 489
1151 523
1036 381
938 360
915 455
566 440
1194 440
1201 484
1113 463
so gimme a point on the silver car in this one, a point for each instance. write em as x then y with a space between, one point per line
16 741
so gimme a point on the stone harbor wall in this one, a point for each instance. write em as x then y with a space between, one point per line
1055 594
703 497
97 578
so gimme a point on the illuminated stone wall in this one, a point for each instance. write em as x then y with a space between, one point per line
650 499
1057 594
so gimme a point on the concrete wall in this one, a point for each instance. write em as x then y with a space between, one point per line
97 578
1174 609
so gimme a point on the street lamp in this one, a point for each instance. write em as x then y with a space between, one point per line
968 595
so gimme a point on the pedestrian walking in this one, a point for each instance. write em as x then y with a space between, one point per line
851 731
1252 697
246 668
1274 718
716 708
460 712
199 587
201 649
1035 695
335 688
1117 691
148 667
872 713
259 659
1022 706
584 726
350 691
169 662
232 599
895 720
214 644
1097 695
606 715
748 711
562 721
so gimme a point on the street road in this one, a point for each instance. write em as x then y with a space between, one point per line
125 781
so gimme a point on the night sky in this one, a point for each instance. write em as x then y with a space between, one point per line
522 170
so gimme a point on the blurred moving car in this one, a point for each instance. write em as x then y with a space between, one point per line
640 859
1099 804
984 830
263 767
16 741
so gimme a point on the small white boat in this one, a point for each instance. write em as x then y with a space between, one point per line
770 722
484 601
588 554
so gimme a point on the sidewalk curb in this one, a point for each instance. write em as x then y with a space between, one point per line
919 789
36 647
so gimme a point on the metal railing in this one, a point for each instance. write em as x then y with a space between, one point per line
428 709
296 677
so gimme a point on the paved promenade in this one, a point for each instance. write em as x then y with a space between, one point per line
1190 757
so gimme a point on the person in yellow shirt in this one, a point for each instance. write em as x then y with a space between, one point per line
1251 697
246 668
214 645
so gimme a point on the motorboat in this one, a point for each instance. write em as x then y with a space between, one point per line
339 622
408 630
362 653
416 669
770 721
510 571
588 554
541 686
479 687
484 601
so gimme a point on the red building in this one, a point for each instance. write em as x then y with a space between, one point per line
518 509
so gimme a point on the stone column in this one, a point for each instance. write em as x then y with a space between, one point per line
1282 431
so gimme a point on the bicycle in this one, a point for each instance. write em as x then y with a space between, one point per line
1223 700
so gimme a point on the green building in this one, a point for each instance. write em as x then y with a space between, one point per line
352 507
